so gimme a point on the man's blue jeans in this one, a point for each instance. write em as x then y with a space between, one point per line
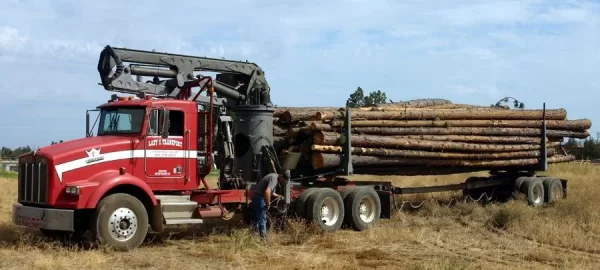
259 207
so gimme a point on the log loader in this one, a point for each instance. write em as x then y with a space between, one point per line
147 164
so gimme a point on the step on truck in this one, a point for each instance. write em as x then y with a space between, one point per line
144 161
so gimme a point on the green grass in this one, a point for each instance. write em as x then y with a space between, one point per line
7 174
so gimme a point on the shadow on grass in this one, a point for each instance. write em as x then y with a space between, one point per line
235 235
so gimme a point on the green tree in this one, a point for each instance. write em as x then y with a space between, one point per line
376 97
358 98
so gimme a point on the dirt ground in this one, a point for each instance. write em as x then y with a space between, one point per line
465 236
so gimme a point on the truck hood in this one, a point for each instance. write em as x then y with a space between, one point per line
85 148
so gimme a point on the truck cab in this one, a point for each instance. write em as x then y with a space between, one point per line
144 147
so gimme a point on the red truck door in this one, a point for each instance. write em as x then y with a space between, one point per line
165 159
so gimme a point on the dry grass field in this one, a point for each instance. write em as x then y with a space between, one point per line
466 236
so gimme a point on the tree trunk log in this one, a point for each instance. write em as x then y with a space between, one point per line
413 144
417 103
554 114
448 107
579 124
321 160
305 114
327 138
491 131
426 154
334 138
320 126
414 170
476 139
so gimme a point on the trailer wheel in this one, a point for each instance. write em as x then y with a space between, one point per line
363 208
519 182
325 207
533 188
553 190
120 221
301 201
346 191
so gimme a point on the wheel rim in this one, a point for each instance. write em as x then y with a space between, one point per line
367 209
537 191
122 224
330 212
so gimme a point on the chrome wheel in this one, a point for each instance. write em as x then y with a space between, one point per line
538 194
367 209
122 224
330 211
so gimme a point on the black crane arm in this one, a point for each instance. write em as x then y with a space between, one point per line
240 82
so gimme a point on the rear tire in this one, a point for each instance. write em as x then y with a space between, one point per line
363 208
533 188
519 182
301 201
553 190
120 222
325 207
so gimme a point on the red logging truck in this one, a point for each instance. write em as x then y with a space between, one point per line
146 166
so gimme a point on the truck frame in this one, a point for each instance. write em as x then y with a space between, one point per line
146 167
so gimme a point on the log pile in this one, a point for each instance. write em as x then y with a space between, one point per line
427 136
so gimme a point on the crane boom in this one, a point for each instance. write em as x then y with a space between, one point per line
242 83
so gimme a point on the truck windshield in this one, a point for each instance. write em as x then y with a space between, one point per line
121 120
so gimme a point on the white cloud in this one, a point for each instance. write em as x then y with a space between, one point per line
314 52
10 39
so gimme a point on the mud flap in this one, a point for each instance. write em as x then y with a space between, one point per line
386 203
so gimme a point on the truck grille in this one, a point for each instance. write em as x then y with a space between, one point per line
33 183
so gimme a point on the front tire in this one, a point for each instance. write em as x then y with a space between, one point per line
120 222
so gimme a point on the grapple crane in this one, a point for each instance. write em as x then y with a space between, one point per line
241 83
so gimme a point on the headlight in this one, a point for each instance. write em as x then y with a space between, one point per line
73 190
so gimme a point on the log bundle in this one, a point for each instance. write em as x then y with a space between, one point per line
426 136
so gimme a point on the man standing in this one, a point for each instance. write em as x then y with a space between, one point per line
261 200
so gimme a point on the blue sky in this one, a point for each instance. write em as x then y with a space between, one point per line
314 53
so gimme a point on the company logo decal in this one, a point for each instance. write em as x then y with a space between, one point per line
94 155
166 142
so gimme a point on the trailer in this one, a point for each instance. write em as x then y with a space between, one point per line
146 166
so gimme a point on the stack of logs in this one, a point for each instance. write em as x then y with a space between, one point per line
428 136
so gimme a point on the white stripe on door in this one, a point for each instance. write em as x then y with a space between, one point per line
119 155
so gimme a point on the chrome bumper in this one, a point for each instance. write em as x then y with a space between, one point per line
43 218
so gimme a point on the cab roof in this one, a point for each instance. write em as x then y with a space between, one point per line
147 102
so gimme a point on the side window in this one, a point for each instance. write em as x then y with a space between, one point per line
153 123
177 123
176 119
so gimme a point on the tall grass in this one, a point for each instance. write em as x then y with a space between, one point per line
465 236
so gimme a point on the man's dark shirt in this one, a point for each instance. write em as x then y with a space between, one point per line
270 180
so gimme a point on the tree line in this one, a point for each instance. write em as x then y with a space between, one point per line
587 149
13 153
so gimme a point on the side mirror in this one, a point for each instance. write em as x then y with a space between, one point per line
164 123
87 124
88 130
